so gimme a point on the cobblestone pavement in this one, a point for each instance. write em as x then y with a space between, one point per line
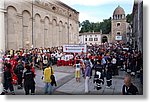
67 85
73 87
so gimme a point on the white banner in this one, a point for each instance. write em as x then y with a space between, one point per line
75 48
118 37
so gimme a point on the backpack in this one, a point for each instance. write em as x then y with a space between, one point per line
19 69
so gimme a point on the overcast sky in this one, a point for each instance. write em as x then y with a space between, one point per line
97 10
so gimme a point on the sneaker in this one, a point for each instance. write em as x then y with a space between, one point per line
3 93
98 88
13 93
19 87
132 73
32 93
108 87
42 77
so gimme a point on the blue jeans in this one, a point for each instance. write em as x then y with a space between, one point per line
48 88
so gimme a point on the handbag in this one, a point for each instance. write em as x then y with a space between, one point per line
52 77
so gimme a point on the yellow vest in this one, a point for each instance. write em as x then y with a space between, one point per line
47 74
11 52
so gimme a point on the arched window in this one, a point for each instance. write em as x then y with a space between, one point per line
118 24
118 33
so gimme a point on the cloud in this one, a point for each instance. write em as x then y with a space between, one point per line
94 2
87 16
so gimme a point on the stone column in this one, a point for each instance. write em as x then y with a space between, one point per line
2 38
57 35
50 35
42 34
20 31
2 24
63 34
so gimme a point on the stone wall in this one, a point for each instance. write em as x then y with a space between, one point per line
53 22
121 29
2 31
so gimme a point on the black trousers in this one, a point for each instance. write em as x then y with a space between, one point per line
113 69
28 88
82 70
19 76
8 85
109 83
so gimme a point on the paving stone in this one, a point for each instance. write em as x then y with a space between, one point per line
67 84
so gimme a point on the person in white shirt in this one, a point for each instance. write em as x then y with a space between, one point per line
114 67
59 62
63 60
77 70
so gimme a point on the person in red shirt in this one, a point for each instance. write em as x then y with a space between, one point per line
33 70
13 62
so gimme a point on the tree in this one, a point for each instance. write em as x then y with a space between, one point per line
129 18
85 26
105 26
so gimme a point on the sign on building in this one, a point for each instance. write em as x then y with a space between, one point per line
75 48
118 38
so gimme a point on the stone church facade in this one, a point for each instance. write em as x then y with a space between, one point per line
40 23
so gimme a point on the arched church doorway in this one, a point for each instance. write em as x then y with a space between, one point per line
104 39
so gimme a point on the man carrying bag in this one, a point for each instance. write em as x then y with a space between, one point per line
49 79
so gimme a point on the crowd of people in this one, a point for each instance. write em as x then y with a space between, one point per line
105 60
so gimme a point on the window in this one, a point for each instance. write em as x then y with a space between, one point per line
118 33
54 8
95 39
90 35
118 24
90 39
70 15
95 35
85 39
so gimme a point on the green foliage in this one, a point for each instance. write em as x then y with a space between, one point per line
105 25
87 26
129 18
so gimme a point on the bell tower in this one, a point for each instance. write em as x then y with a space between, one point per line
118 25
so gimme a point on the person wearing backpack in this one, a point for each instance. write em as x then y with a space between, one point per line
29 83
99 75
19 72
